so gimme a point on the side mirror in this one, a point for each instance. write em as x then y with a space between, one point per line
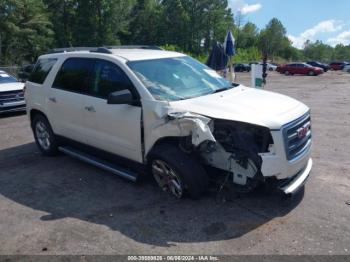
122 97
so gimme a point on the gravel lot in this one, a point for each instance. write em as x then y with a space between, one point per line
63 206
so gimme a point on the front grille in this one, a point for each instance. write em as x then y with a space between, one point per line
297 136
11 96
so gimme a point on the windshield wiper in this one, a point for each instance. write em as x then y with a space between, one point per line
222 89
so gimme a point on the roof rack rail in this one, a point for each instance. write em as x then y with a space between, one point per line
74 49
151 47
103 49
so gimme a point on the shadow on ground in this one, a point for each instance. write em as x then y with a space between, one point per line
63 187
12 114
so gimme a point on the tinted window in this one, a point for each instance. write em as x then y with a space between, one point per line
41 70
108 79
75 75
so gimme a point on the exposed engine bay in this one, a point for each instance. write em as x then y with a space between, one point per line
236 151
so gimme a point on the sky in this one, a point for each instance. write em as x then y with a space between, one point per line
325 20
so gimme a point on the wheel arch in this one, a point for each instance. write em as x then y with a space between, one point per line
171 140
35 112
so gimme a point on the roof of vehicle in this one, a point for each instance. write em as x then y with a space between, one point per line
128 53
144 54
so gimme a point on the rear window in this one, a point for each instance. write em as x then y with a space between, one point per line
41 70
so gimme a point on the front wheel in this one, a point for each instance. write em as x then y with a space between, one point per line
311 73
177 172
44 136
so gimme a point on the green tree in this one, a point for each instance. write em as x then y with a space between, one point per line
218 20
318 51
25 30
62 16
271 38
196 24
341 53
248 36
99 22
146 22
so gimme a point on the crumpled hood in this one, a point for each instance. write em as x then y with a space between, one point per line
247 105
11 87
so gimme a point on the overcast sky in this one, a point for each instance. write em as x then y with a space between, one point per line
326 20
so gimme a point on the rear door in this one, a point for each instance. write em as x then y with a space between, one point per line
66 96
113 128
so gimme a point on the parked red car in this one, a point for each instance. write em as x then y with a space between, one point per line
299 69
337 66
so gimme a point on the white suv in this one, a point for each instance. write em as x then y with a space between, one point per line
11 94
123 109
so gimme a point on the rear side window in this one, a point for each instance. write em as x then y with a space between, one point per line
108 79
75 75
41 70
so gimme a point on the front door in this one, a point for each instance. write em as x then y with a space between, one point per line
113 128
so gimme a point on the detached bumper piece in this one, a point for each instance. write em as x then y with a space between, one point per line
293 185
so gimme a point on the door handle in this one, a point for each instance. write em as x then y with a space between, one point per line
53 100
90 109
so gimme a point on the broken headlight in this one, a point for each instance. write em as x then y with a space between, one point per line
238 137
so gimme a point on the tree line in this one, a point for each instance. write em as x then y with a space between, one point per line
29 28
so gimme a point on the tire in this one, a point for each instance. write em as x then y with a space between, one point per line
45 139
182 169
311 73
287 73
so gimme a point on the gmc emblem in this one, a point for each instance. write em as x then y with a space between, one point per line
302 131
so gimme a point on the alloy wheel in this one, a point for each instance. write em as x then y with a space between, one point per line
167 178
42 135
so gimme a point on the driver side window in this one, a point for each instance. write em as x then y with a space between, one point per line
108 78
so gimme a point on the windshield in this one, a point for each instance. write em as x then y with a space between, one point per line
178 78
6 78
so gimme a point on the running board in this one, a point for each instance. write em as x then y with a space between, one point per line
99 163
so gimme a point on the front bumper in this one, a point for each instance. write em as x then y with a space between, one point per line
298 180
276 164
13 107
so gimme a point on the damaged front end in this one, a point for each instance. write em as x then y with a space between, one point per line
231 148
237 150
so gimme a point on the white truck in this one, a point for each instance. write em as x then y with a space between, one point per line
126 108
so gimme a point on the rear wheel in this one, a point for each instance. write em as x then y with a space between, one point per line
177 172
44 136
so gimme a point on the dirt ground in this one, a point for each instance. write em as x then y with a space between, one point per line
63 206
